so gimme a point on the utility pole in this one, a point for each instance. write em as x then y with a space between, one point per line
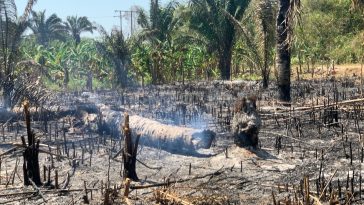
121 19
131 22
131 19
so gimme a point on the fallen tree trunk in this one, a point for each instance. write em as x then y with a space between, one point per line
171 138
52 112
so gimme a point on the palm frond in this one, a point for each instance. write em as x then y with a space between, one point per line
28 9
143 20
293 17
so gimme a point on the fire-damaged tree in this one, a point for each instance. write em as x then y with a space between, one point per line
31 153
130 151
287 14
246 123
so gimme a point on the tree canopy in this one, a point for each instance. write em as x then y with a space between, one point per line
179 42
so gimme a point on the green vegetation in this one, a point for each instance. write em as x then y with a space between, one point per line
204 39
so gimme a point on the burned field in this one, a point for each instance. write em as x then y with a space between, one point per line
185 154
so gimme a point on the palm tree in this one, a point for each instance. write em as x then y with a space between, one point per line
357 4
257 37
11 29
115 49
46 29
285 22
208 18
157 30
266 28
76 25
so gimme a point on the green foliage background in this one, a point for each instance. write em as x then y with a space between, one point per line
174 43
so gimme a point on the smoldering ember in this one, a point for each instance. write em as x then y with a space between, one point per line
197 102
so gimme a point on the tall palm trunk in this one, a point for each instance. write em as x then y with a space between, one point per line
66 77
89 81
283 59
225 63
7 89
265 70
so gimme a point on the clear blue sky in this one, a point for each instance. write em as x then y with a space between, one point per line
99 11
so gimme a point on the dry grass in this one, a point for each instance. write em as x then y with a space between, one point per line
322 71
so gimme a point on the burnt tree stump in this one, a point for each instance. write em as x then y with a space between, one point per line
246 123
31 168
129 151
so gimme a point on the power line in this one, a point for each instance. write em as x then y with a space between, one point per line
121 19
99 17
131 19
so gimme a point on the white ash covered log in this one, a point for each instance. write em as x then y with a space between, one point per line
155 134
170 137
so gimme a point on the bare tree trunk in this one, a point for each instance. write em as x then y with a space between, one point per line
7 98
300 61
129 152
31 161
66 78
266 70
89 81
8 87
283 54
153 69
225 63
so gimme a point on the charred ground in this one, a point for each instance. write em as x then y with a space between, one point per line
313 147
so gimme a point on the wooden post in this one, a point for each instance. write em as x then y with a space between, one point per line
65 143
3 132
50 132
49 175
85 197
106 196
307 190
90 157
351 154
74 150
82 155
360 184
44 173
102 187
56 179
339 187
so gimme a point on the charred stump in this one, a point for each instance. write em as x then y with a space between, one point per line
246 123
31 153
129 152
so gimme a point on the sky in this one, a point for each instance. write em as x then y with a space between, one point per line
100 11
